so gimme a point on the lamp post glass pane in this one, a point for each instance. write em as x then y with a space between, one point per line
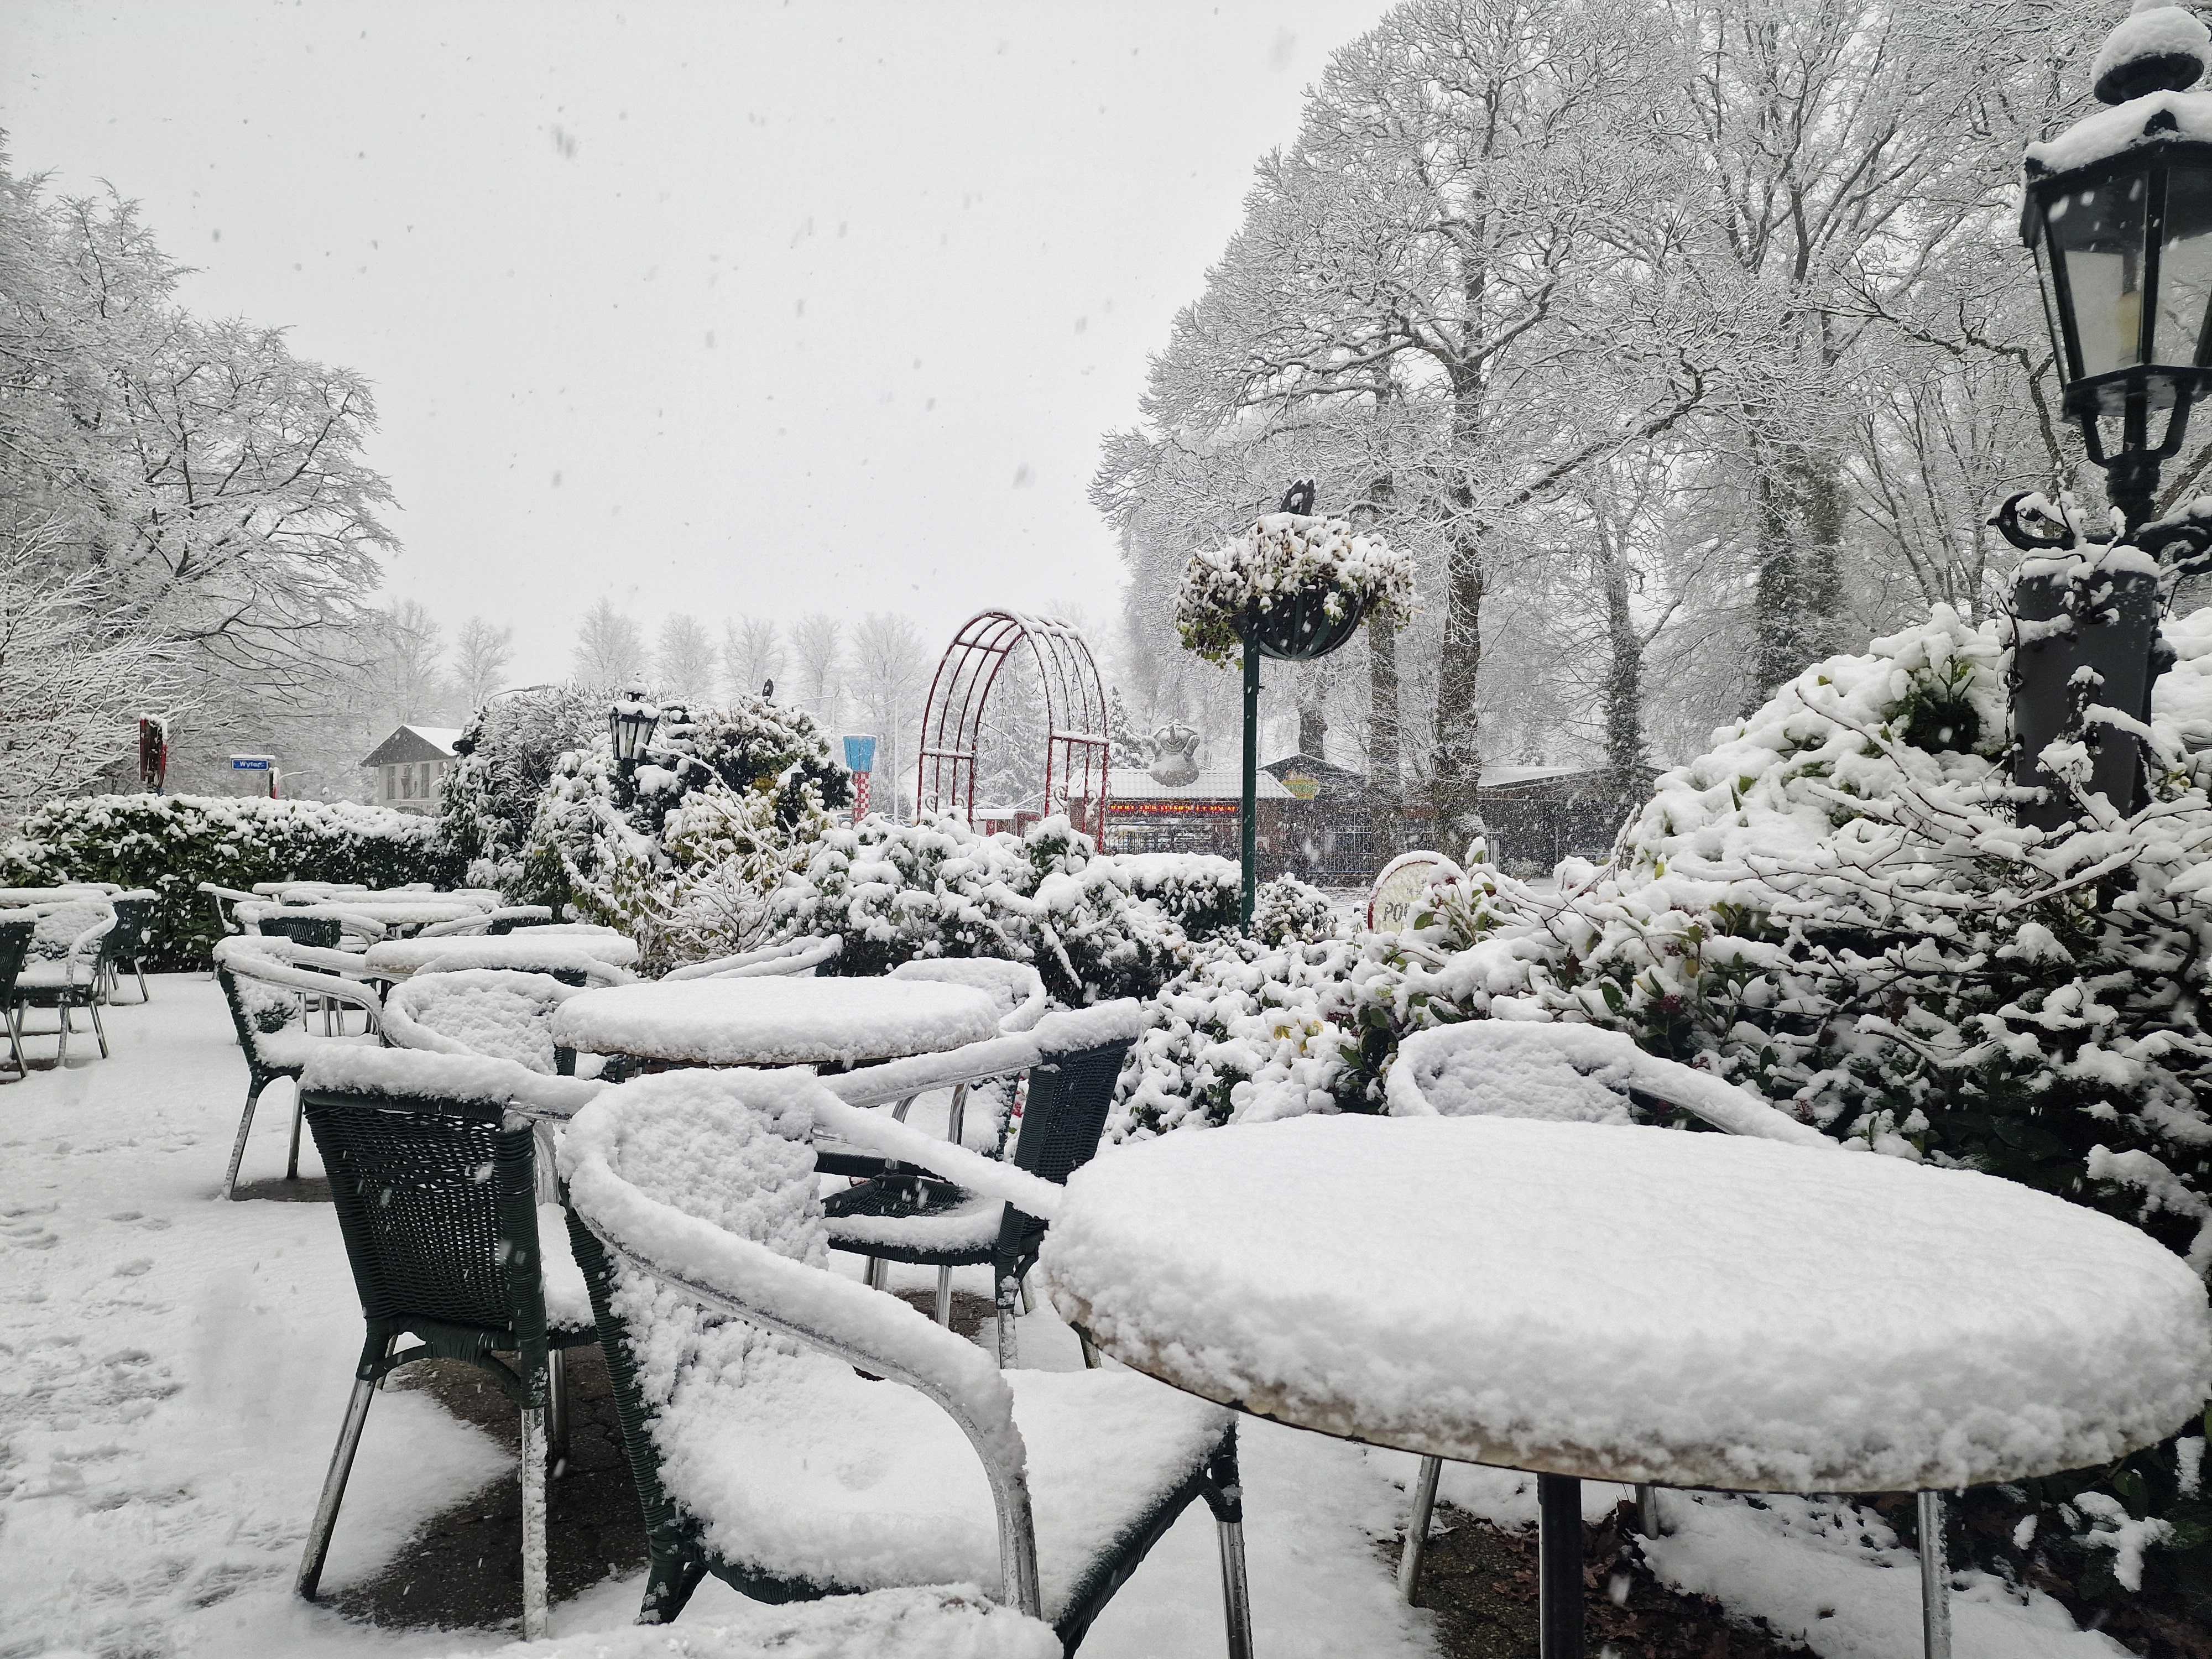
2040 247
2184 276
2096 232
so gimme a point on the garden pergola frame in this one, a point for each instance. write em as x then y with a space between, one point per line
1078 740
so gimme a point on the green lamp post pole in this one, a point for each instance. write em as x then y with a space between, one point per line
1250 817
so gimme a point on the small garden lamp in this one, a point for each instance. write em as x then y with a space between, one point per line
2118 211
629 723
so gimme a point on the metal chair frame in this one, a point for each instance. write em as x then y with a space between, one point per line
293 969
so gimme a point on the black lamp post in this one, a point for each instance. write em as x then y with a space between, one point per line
629 725
2118 211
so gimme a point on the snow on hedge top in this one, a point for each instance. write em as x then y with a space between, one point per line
1567 1074
783 1022
1634 1303
1281 556
952 1622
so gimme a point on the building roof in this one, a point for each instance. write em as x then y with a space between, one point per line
1314 767
415 743
1220 784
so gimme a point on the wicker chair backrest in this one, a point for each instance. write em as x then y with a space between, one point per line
14 950
1070 1093
321 932
436 1201
134 926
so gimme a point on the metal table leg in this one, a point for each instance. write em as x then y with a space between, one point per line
1560 1564
1934 1579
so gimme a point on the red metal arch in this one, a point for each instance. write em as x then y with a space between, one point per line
1076 743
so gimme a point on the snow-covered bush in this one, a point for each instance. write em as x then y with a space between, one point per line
172 844
1288 911
1094 926
1281 557
684 852
506 754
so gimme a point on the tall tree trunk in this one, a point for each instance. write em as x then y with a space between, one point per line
1624 683
1458 774
1799 603
1778 602
1821 489
1385 803
1313 727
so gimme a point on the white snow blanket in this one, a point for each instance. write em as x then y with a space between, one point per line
1634 1303
953 1623
773 1021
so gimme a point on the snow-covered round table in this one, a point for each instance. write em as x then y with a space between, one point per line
530 950
1633 1304
775 1022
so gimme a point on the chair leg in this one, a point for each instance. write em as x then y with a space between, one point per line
238 1150
669 1581
1416 1529
1224 1496
299 1113
944 1310
1647 1511
1935 1578
1009 1345
144 995
1029 1302
334 1483
557 1410
536 1622
1090 1353
99 1030
1560 1565
61 1048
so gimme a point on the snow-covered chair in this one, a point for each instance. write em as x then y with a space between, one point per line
508 917
66 968
797 955
481 1011
1016 985
1567 1073
899 1213
16 929
133 932
433 1161
266 982
762 1456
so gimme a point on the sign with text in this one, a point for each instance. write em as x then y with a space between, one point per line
1401 887
252 763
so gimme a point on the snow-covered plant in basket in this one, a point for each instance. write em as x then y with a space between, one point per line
1300 581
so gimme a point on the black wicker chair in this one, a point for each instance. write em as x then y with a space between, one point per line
902 1214
433 1163
705 1249
264 982
134 931
71 980
14 950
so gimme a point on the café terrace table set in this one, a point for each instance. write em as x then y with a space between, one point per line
1506 1269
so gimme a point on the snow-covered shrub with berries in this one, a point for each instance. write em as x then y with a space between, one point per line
1283 556
1094 926
1289 911
685 851
506 755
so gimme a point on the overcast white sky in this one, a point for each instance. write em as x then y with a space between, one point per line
733 307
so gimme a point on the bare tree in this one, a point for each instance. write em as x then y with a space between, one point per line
752 656
685 661
407 676
482 651
817 641
610 651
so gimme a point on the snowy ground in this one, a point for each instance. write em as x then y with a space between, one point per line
172 1369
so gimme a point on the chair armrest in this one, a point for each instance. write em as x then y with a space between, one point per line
249 958
1074 1029
896 1079
879 1133
793 957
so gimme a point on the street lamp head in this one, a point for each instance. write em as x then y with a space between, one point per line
2118 211
630 723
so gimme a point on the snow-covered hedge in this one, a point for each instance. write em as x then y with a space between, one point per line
171 843
1094 927
1280 556
507 756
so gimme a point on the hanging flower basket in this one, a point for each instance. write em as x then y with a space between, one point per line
1301 582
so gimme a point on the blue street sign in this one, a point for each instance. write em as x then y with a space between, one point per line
249 762
860 753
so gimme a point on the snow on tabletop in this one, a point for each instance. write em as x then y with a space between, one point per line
411 1072
1634 1303
524 949
949 1622
1568 1074
738 1022
477 1010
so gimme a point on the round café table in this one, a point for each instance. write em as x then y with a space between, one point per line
1632 1304
775 1022
578 957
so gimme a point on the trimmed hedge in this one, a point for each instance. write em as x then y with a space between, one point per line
172 844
